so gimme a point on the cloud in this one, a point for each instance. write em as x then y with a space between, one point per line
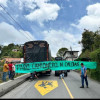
58 39
45 12
8 34
36 10
4 3
25 4
90 21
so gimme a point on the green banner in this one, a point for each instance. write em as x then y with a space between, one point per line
52 65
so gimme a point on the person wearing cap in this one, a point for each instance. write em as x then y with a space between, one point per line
83 74
5 71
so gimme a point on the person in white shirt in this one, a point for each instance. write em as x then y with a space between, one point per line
13 71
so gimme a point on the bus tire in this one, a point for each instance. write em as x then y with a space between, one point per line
49 73
55 74
66 74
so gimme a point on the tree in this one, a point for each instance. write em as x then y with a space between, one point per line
61 52
7 51
52 58
91 49
10 46
87 40
97 41
0 47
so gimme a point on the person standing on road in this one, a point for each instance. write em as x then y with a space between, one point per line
5 71
10 70
83 74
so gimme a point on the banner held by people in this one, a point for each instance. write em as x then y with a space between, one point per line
52 65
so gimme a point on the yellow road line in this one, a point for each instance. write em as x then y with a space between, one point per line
71 96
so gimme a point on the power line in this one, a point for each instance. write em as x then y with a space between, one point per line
14 21
9 21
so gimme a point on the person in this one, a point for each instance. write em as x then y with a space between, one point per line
5 71
61 75
13 71
33 75
10 70
83 74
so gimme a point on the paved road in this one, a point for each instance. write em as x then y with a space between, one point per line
53 87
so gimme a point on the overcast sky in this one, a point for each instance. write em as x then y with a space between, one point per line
60 22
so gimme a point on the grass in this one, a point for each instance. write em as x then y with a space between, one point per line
0 81
16 75
1 69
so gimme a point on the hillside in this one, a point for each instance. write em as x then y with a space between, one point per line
91 49
12 50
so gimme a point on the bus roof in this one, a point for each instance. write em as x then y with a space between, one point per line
36 41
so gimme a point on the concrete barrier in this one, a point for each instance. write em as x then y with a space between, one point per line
11 84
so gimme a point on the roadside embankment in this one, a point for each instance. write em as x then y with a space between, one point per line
5 87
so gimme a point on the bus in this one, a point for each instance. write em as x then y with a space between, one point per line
58 72
37 51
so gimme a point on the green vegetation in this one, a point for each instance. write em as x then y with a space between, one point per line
7 51
95 56
91 49
16 75
61 52
52 58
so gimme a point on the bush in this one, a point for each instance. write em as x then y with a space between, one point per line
95 56
85 54
2 62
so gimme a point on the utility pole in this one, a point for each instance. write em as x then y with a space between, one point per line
71 53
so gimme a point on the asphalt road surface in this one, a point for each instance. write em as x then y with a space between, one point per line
53 87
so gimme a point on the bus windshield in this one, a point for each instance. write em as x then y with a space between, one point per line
58 58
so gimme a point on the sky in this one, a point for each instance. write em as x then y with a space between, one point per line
59 22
